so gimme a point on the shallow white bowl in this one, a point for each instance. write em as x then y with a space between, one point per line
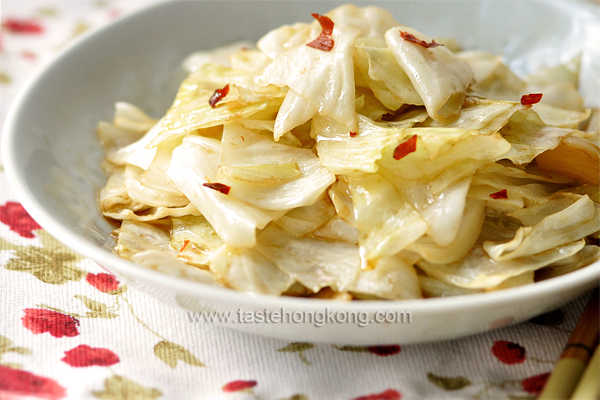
52 155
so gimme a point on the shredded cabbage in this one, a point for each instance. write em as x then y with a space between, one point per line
386 222
365 161
270 175
196 162
438 76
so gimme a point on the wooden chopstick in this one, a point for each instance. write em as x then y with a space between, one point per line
576 354
588 387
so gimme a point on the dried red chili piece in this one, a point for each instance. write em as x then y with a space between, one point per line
218 96
532 98
353 134
185 243
411 38
324 41
405 148
219 187
502 194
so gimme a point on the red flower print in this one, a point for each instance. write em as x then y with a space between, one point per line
17 383
390 394
534 384
86 356
508 352
14 215
28 55
22 26
105 283
385 351
39 320
236 386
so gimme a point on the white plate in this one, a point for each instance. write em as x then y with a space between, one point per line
52 155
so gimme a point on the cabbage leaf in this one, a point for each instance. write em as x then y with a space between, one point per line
493 79
573 223
195 162
324 79
303 220
195 240
391 279
247 270
478 271
270 161
386 222
444 155
382 74
529 136
439 77
470 227
341 153
314 263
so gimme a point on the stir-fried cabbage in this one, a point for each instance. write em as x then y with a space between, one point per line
386 222
270 175
353 157
438 76
196 163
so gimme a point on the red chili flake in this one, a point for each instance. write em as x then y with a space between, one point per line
502 194
22 26
353 134
532 98
411 38
405 148
219 187
237 386
324 41
218 96
185 243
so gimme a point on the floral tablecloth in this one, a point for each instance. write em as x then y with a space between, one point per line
69 330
